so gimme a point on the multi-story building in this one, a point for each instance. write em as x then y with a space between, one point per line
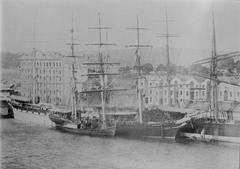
228 92
47 77
184 89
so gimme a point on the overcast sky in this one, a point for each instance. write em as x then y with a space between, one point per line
192 23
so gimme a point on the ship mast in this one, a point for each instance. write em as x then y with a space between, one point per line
138 66
167 35
214 81
33 63
74 87
102 72
213 74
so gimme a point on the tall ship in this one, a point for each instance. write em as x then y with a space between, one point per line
213 124
73 121
166 127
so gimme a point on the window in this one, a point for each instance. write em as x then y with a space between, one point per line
150 99
230 94
225 95
181 92
186 93
203 93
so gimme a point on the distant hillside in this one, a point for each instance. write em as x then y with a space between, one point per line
155 56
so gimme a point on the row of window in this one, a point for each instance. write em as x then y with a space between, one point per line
49 71
48 64
50 78
54 92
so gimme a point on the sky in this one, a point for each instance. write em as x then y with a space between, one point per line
192 23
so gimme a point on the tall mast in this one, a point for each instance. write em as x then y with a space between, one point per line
138 65
33 61
167 35
168 57
213 75
74 87
102 74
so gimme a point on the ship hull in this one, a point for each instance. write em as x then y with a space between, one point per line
6 110
108 132
138 130
31 117
210 131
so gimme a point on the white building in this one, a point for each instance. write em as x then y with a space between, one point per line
48 76
183 90
228 92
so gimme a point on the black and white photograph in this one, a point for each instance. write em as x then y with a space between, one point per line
120 84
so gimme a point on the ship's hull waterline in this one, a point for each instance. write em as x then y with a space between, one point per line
212 132
34 118
108 132
138 130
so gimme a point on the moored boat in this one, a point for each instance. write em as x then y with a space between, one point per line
6 108
71 121
92 127
27 112
210 126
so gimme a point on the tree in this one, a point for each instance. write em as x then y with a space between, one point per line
147 68
161 67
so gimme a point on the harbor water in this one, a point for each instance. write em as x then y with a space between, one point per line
29 146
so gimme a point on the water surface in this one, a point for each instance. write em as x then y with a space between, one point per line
37 147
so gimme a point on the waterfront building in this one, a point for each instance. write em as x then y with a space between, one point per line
184 90
48 78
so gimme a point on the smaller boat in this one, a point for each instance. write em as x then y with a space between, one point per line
6 108
91 127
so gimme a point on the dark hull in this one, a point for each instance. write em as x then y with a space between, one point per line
138 130
215 131
57 120
6 110
8 116
108 132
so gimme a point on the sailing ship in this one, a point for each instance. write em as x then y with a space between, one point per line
208 126
72 121
138 128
